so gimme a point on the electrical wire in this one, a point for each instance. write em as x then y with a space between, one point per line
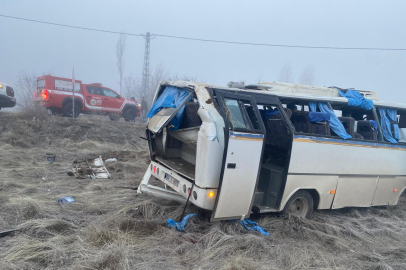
213 40
70 26
284 45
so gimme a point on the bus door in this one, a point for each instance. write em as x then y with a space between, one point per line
244 139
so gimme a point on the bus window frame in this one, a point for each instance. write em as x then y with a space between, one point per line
379 123
244 115
337 137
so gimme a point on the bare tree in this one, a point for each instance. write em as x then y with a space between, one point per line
307 76
286 74
159 73
186 78
120 50
25 87
131 87
259 79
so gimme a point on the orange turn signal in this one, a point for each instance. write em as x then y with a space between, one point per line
332 191
211 194
395 190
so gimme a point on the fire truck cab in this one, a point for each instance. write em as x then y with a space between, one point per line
55 94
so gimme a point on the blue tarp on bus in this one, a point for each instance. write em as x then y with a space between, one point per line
172 97
355 99
386 116
335 123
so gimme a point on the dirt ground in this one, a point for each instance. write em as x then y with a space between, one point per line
115 228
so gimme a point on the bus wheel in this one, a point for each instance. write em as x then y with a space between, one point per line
300 204
68 109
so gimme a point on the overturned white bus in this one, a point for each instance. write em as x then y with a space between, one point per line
274 147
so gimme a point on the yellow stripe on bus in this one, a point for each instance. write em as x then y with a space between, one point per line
346 144
246 138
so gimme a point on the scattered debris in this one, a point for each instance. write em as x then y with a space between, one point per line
50 157
66 200
180 226
133 188
5 233
90 168
110 160
253 226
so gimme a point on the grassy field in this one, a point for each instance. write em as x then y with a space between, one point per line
114 228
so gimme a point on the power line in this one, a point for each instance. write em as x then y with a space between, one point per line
215 41
284 45
70 26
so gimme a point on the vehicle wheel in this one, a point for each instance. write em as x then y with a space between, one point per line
300 204
68 109
114 117
130 115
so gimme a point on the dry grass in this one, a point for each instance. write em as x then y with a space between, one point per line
110 228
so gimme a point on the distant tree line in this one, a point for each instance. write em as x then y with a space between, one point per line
306 77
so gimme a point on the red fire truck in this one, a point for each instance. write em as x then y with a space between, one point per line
55 94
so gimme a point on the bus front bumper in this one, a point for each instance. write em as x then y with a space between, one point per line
179 187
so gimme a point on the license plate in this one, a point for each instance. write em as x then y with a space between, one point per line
13 99
171 180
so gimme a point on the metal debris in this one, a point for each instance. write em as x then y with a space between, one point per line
50 157
90 168
5 233
66 200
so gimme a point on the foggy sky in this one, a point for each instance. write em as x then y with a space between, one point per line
40 48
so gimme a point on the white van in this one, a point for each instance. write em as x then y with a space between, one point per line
258 148
7 98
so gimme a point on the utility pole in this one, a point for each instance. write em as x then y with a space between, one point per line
145 71
73 94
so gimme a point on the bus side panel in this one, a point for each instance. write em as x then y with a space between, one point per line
355 191
388 190
318 155
322 183
355 164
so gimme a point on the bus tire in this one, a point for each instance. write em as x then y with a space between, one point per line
68 109
300 204
130 114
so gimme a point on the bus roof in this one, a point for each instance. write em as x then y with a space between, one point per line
307 92
296 91
301 89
